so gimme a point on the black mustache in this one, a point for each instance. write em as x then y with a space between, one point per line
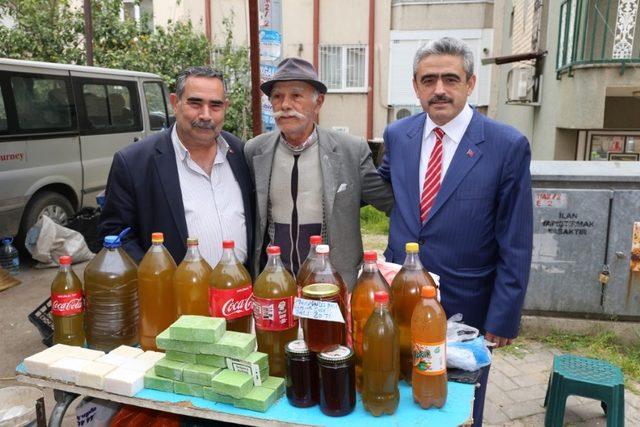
201 124
440 98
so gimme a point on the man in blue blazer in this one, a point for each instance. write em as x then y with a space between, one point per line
190 180
462 188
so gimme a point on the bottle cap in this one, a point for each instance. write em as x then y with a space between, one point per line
411 247
322 249
273 250
320 290
315 240
428 291
370 255
297 347
192 241
157 237
7 240
381 297
228 244
111 242
64 260
339 355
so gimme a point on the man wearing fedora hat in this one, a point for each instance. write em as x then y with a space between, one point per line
310 180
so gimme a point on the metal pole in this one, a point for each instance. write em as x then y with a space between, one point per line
254 49
88 32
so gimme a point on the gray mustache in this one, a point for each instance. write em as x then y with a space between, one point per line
292 113
201 124
440 98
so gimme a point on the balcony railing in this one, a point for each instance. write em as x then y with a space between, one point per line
598 32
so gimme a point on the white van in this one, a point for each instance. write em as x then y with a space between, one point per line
60 126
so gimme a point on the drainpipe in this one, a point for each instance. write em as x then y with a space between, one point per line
316 31
207 20
372 28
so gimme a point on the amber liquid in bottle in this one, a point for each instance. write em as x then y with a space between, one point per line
405 294
362 304
273 293
155 292
67 308
191 282
307 265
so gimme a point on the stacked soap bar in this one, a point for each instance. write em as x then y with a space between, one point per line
121 371
204 360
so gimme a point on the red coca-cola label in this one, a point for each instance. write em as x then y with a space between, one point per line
231 303
67 304
274 314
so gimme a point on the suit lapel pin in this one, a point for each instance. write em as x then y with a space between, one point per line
470 152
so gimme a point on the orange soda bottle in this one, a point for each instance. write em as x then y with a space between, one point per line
231 291
155 292
191 282
405 294
429 337
307 265
67 306
362 303
273 295
380 360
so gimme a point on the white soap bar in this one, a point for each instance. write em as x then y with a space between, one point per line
39 363
93 373
61 348
124 382
113 359
138 365
154 356
86 353
127 351
67 369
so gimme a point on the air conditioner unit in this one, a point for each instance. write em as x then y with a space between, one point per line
520 84
402 111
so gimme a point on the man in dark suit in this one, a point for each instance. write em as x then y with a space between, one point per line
190 180
462 187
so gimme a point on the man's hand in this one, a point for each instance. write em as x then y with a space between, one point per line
498 341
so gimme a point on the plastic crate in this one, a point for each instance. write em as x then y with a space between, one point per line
41 318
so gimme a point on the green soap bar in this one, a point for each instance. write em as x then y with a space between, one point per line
260 359
232 383
209 394
169 369
236 345
165 343
189 389
264 374
258 399
180 356
211 360
275 383
197 328
199 374
153 381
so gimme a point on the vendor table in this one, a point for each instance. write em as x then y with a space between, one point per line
457 411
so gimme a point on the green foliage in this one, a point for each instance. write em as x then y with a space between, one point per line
53 31
372 221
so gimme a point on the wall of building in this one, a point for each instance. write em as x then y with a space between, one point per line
621 112
441 17
166 11
235 10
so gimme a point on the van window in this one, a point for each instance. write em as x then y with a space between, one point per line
3 114
42 103
156 105
109 107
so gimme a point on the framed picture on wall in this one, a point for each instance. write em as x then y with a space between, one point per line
624 157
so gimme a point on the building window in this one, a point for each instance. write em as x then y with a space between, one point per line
343 68
614 147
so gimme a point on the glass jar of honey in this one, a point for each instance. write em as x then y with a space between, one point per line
323 335
301 375
337 381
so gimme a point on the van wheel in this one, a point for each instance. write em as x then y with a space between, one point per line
54 205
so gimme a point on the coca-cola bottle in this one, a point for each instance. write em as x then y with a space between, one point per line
273 296
307 265
67 307
231 291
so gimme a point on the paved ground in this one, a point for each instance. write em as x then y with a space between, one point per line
517 382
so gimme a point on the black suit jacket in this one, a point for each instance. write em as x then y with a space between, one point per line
143 192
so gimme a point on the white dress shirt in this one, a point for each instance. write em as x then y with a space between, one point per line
454 131
213 207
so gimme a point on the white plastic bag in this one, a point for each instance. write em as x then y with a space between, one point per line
465 349
47 241
92 412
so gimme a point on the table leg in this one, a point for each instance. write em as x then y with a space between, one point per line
63 400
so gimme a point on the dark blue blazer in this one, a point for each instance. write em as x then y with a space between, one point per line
478 236
143 192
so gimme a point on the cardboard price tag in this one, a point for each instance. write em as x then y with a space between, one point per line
246 367
317 310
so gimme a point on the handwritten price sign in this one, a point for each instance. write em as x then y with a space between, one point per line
317 310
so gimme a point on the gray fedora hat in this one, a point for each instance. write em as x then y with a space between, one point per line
294 69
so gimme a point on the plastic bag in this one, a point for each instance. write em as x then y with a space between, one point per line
458 331
465 349
47 241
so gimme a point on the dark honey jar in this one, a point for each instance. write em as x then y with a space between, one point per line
337 381
323 335
301 375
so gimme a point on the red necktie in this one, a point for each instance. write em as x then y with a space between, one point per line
432 177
